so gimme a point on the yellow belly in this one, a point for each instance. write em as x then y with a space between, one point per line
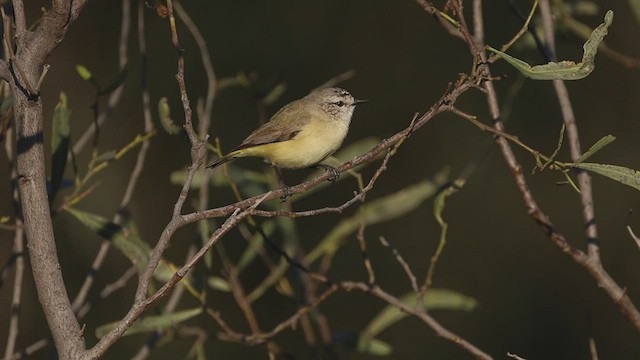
314 143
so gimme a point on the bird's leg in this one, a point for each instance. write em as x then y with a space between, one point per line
285 187
335 174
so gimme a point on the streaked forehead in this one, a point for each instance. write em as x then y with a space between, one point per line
332 92
341 92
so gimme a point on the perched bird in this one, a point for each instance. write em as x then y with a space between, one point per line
301 134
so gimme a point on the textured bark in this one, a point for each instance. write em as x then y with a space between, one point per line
24 71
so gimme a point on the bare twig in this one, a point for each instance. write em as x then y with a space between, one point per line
363 250
422 315
403 263
590 262
593 349
116 95
514 356
108 290
569 118
169 308
204 117
144 302
135 175
18 254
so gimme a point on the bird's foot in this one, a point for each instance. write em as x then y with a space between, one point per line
286 193
335 174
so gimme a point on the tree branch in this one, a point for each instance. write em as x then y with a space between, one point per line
34 48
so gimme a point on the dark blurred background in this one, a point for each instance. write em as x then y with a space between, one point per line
533 300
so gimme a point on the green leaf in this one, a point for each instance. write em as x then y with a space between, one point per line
274 94
122 76
635 8
59 144
256 245
374 347
86 75
565 70
383 209
434 299
106 156
178 177
596 147
61 127
218 283
6 105
620 174
164 112
152 323
129 244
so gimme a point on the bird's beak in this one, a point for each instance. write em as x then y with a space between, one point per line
358 102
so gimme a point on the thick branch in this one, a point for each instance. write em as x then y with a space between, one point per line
37 222
34 48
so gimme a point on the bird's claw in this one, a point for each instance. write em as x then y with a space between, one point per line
335 174
286 193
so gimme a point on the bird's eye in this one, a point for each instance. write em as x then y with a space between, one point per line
340 103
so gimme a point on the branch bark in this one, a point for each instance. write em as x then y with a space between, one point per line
33 48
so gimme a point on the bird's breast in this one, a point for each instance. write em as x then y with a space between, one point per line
316 141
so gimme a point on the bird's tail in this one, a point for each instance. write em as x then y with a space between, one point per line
221 161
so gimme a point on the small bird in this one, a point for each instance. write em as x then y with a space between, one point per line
301 134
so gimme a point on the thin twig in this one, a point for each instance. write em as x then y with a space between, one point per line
403 263
18 254
169 308
82 294
518 35
595 268
573 137
593 349
141 305
116 95
422 315
363 251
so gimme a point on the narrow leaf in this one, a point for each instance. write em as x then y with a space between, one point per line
565 70
434 299
129 244
106 156
374 347
86 75
164 112
620 174
274 94
635 8
596 147
152 323
218 283
383 209
7 103
122 76
59 144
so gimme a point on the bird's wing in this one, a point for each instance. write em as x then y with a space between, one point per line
277 130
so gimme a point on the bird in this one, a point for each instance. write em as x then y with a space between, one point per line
301 134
